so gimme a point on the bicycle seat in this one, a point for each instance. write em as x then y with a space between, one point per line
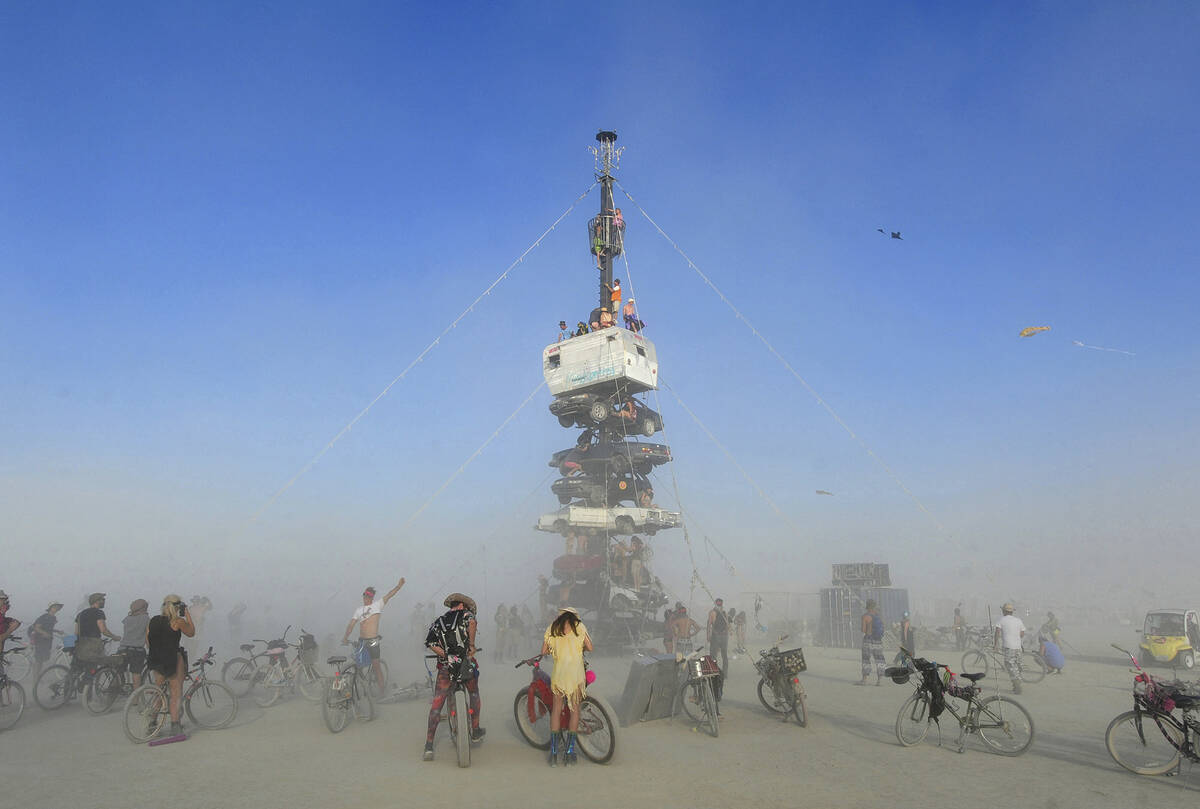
333 661
976 677
247 647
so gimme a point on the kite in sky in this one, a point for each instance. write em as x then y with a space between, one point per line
895 233
1029 331
822 491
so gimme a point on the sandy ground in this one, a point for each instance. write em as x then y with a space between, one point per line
846 757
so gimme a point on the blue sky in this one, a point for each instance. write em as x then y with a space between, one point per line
224 229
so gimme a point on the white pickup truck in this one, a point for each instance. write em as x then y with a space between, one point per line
600 359
618 520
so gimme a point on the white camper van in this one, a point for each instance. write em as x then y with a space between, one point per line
598 360
615 520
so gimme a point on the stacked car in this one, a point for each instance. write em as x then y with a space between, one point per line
598 381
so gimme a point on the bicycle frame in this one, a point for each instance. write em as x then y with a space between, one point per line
1154 701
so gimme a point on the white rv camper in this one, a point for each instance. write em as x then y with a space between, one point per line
599 359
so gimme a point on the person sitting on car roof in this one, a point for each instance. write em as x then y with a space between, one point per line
580 329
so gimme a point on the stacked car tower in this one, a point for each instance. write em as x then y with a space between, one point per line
596 380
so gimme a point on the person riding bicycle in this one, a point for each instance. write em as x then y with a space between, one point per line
7 625
367 618
566 639
453 635
89 627
166 659
133 639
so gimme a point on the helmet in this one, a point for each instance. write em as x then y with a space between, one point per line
1008 608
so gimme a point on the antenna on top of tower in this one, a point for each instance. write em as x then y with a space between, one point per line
608 156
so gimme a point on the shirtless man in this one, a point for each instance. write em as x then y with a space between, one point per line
367 618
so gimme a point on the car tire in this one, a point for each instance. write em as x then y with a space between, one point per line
648 427
1187 659
624 525
566 421
599 411
564 499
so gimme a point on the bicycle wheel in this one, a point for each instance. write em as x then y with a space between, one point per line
367 673
597 735
12 703
50 690
1033 668
146 712
692 701
18 665
536 730
710 707
240 675
766 695
800 703
974 661
310 683
274 681
460 724
363 702
912 722
1004 725
1152 750
102 690
335 705
211 705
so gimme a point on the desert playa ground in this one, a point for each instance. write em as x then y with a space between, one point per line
847 756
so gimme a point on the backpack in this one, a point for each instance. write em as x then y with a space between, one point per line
720 623
449 631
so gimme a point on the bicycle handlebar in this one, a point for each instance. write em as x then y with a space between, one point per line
530 662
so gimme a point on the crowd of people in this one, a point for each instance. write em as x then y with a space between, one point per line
602 317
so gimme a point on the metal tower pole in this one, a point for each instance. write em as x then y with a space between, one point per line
608 156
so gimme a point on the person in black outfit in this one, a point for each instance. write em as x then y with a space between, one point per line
718 634
166 658
90 627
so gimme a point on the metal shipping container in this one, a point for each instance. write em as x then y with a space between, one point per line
839 618
862 574
892 601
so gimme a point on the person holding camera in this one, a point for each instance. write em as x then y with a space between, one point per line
166 658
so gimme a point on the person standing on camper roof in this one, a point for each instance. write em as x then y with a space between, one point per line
367 618
563 333
718 633
614 295
872 644
629 313
1009 632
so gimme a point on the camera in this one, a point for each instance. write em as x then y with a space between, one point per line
182 609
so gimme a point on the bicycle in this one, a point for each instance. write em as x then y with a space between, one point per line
208 704
18 662
1149 740
366 669
346 695
777 677
57 685
1001 723
457 708
301 673
699 679
112 680
12 693
986 658
411 691
597 733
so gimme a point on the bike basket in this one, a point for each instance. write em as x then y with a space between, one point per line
308 650
705 667
899 674
792 661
